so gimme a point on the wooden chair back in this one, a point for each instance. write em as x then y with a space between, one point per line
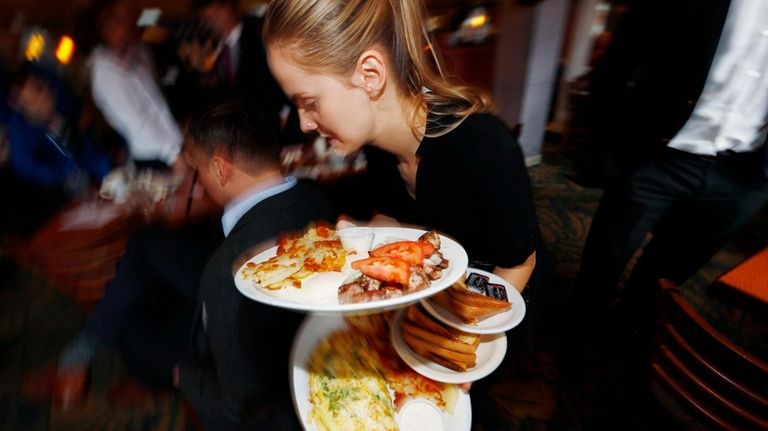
720 385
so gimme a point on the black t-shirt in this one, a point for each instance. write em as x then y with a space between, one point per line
471 184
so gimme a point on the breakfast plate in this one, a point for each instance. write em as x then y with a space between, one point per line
319 292
315 328
495 324
490 354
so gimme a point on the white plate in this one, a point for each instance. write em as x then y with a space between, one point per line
326 284
493 325
490 354
315 328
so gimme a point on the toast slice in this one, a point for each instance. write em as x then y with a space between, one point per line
469 306
441 344
474 299
450 364
437 340
421 318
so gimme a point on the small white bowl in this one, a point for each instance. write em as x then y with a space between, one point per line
420 415
357 239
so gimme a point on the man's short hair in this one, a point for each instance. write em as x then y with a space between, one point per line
240 131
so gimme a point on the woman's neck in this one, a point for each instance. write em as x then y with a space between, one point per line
395 132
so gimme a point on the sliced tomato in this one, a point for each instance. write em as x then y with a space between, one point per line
387 269
409 251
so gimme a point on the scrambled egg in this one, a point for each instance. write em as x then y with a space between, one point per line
346 388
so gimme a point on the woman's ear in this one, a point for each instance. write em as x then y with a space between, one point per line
371 72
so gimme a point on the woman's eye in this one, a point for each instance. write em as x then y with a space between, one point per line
310 104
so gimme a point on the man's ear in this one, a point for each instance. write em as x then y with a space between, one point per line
371 72
222 169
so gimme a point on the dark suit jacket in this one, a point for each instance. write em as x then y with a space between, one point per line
198 92
254 82
239 373
647 84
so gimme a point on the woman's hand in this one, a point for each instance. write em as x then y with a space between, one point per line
176 376
378 220
518 276
344 223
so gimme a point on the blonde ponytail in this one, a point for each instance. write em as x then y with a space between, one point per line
330 35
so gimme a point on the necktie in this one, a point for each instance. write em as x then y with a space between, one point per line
226 64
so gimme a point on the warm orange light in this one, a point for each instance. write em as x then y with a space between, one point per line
477 21
65 50
35 47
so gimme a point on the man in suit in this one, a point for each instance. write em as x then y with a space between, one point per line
237 377
678 113
241 65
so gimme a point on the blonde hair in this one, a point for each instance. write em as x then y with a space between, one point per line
330 35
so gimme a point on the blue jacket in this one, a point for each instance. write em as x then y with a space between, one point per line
36 156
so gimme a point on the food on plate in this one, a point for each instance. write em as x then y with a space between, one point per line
356 239
298 257
405 383
437 342
470 306
367 289
412 252
346 389
420 416
386 269
394 269
357 381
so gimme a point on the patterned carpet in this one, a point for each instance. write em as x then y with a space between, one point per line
527 393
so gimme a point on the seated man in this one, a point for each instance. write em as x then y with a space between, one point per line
237 376
39 162
40 154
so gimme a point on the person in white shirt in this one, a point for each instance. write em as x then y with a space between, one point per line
680 107
125 90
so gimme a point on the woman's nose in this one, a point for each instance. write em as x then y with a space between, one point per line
307 125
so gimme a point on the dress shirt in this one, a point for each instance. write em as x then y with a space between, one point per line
236 208
733 106
127 95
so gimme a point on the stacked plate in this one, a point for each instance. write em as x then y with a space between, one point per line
493 342
326 284
327 316
318 327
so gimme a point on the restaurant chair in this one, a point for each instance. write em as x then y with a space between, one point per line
719 385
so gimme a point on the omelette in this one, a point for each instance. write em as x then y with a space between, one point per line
346 389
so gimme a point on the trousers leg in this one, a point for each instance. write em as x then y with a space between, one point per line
122 293
694 230
626 213
175 258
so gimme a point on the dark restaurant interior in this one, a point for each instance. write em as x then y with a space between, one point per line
641 126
